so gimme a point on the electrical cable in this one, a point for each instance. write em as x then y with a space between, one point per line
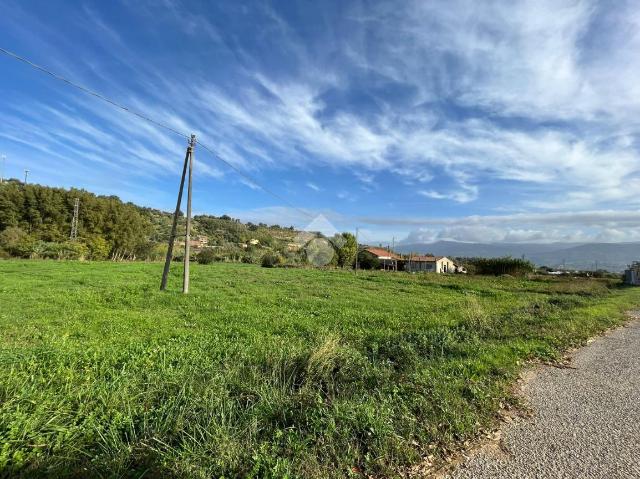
160 124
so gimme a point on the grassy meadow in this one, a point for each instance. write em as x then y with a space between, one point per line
266 372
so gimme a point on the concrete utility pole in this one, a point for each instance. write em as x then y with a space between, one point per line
26 175
187 236
357 251
4 160
393 248
165 273
74 222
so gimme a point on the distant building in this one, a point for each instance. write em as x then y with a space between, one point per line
197 243
632 275
202 241
432 264
388 259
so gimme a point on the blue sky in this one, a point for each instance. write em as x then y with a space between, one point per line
463 120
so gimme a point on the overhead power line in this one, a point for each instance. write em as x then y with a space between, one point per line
160 124
253 181
91 92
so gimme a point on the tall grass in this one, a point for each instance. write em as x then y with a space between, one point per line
265 372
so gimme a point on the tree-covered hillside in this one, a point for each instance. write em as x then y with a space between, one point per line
35 222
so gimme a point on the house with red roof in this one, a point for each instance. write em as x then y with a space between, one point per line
387 258
391 261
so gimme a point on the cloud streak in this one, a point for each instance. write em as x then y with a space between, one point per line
465 106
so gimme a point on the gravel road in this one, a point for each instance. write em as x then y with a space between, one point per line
585 423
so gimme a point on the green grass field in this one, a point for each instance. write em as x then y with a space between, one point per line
265 372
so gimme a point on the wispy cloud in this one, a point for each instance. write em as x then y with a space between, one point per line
532 104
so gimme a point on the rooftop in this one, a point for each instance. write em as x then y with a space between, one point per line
382 253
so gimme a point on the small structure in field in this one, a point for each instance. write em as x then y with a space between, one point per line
632 274
387 258
433 264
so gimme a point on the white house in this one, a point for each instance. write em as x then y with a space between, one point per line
433 264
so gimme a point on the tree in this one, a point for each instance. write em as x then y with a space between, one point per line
206 256
347 248
98 248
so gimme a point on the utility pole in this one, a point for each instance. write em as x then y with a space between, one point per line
26 175
187 236
357 251
393 248
74 222
176 214
4 160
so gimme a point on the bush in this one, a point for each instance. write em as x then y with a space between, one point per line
271 260
66 250
501 266
206 256
16 242
368 261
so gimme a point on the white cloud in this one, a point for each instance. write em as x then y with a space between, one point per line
550 90
524 59
461 196
584 226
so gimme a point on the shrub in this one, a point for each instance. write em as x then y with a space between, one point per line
368 261
206 256
500 266
66 250
271 260
16 242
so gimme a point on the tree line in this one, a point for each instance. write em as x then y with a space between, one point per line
35 222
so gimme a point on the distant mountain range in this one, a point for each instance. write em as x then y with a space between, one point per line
587 256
